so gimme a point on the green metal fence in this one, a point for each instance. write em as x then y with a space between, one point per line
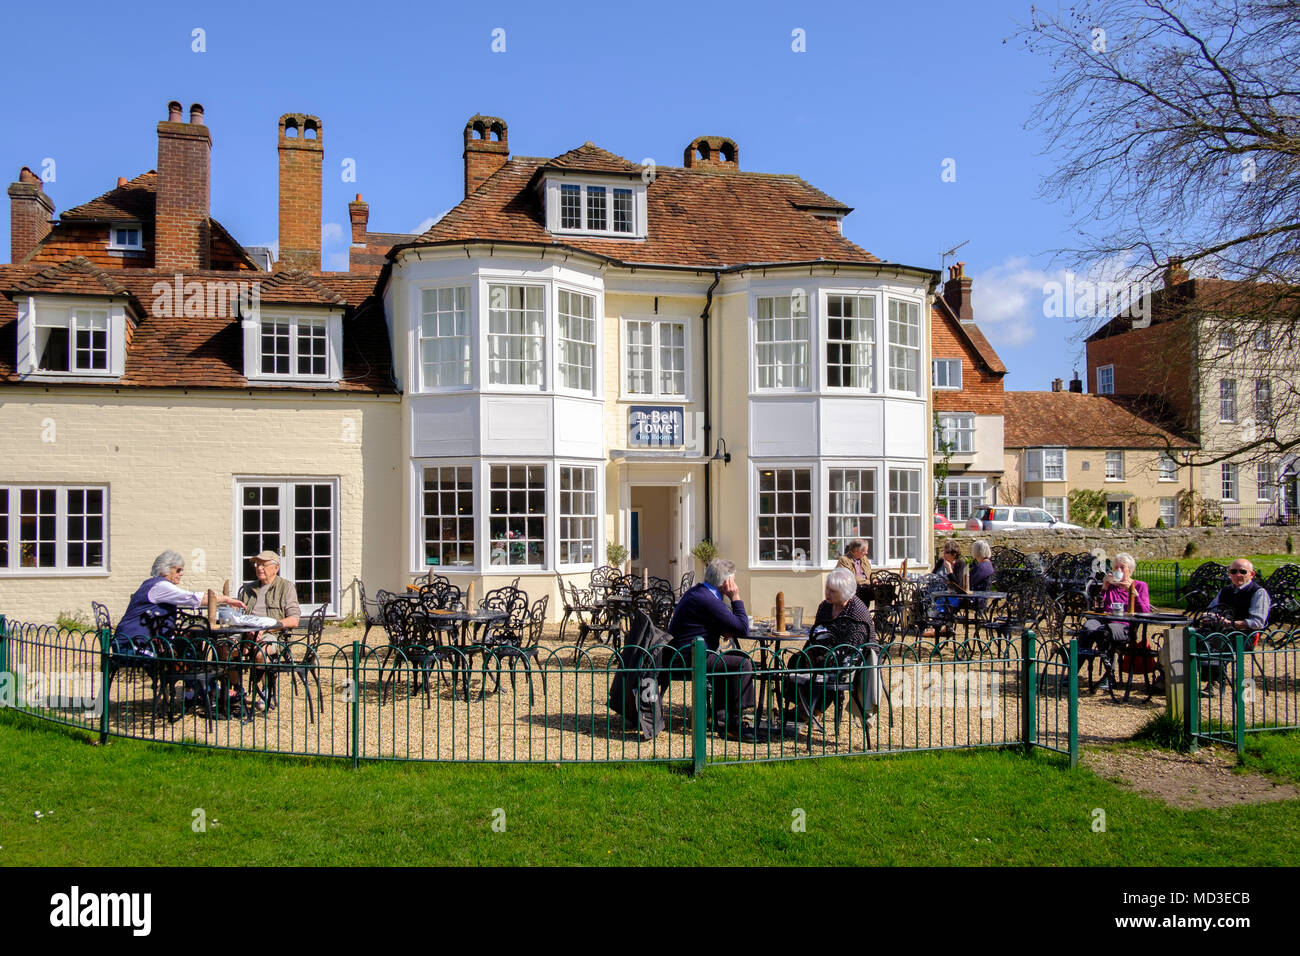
482 705
1164 582
1242 683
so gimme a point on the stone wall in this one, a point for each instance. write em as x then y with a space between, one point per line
1144 544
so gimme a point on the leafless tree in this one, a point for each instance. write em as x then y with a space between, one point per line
1175 133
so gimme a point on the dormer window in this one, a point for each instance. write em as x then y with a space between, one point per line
58 338
289 348
126 238
613 209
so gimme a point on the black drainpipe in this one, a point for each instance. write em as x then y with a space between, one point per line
708 414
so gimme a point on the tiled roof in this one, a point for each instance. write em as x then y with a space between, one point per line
591 158
1076 420
135 200
705 216
74 277
1225 296
207 351
971 333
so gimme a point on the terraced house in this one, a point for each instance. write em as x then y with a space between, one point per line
581 351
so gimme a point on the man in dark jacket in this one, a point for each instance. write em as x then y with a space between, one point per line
1244 606
713 610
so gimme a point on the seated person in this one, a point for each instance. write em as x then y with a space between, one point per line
713 610
1119 587
841 604
855 560
981 575
273 596
951 565
161 592
1243 606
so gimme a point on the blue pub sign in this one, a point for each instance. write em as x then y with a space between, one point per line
651 426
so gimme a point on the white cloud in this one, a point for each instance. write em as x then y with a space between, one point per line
336 262
331 232
427 223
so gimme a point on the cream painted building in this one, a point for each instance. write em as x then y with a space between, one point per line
1059 442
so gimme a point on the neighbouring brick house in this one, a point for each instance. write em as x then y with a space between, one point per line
158 390
1062 441
966 377
580 351
1228 375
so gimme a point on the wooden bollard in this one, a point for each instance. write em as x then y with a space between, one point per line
469 597
429 577
212 608
225 588
645 579
780 612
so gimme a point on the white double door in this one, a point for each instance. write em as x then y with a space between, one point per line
298 520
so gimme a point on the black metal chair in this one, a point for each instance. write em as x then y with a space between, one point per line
188 663
593 620
300 656
688 582
504 642
831 665
409 646
370 610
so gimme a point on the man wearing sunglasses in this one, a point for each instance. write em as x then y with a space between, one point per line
1243 606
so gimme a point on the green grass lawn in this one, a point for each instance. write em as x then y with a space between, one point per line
133 803
1265 564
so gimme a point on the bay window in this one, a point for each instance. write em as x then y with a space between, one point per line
516 339
517 515
577 515
782 336
445 343
956 433
904 347
904 514
447 515
851 511
850 341
784 514
577 335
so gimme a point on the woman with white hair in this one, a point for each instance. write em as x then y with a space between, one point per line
842 600
160 592
1120 591
981 576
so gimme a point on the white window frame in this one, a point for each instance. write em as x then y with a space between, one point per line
1227 340
1171 519
814 510
949 364
955 426
1166 464
924 526
1115 466
29 315
470 335
547 516
873 536
1036 463
561 516
422 540
974 497
656 392
795 299
333 323
12 534
562 341
1265 480
1229 482
1058 506
545 362
1261 339
115 246
823 327
554 222
915 351
1228 400
1106 380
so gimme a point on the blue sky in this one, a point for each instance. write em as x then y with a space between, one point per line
881 96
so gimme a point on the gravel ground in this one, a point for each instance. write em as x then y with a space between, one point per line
929 703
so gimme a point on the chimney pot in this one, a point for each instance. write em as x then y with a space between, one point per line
1058 384
121 181
30 212
196 113
712 151
302 151
1076 383
487 149
173 112
1175 274
359 215
957 292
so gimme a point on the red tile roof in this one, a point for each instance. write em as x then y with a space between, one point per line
707 217
207 351
591 158
1076 420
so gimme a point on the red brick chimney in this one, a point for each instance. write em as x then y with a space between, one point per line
359 213
184 193
487 148
302 149
1175 274
956 292
712 151
30 211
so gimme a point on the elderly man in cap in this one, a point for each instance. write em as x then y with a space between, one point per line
273 596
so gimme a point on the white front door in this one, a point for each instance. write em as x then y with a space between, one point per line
298 520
